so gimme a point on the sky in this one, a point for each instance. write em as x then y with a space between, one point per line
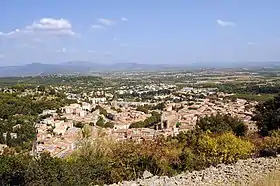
139 31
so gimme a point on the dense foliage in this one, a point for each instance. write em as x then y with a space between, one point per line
146 108
222 123
249 88
267 115
18 114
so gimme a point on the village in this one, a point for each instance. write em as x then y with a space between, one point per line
60 130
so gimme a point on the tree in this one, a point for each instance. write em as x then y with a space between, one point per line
109 125
79 124
267 116
100 122
148 122
222 123
142 109
160 106
178 124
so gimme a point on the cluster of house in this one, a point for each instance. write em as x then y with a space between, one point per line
55 135
166 127
59 146
240 108
143 88
58 135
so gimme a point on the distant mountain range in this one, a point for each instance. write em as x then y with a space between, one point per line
88 68
74 67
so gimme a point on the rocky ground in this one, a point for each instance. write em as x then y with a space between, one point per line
244 172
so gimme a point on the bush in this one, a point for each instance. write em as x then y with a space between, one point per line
101 161
269 146
224 148
189 160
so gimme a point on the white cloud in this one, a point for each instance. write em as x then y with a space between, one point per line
225 23
124 19
44 26
106 22
50 24
97 26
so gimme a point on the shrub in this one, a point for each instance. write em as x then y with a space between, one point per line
269 146
189 160
224 148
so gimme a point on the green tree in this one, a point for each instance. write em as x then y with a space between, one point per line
160 106
100 122
222 123
267 116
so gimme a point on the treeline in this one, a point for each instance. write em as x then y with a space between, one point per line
146 108
249 89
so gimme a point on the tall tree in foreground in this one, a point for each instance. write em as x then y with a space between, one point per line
267 116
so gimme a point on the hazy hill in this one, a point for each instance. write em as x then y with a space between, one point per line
87 68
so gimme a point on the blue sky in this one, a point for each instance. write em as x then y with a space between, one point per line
141 31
